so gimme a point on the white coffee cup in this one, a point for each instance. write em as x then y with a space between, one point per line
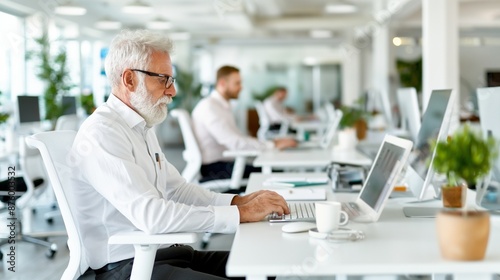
329 216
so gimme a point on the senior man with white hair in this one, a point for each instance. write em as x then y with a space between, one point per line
123 182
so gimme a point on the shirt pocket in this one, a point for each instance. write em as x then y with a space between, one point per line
161 171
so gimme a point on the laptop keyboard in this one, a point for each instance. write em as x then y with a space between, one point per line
304 212
352 209
299 212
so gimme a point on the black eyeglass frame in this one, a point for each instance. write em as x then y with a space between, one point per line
168 82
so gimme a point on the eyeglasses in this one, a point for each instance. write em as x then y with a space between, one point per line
169 80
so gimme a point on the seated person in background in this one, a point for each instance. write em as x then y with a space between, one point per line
216 130
121 180
277 112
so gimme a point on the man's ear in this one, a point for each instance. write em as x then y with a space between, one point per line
128 80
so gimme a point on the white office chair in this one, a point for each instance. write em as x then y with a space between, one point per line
331 115
265 123
55 147
68 122
64 122
33 174
192 156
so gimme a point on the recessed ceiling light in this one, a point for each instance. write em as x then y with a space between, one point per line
108 24
341 8
309 60
396 41
137 7
159 24
70 9
319 33
180 36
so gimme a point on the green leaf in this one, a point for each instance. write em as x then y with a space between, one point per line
465 155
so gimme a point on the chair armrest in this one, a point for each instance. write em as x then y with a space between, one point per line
239 153
145 246
141 238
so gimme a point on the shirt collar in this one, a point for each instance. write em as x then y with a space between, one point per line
131 117
219 98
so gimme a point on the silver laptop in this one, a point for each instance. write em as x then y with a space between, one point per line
391 157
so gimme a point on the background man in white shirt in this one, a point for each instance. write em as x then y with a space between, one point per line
277 112
123 182
275 109
216 129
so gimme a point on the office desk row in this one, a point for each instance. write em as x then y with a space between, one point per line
393 245
308 158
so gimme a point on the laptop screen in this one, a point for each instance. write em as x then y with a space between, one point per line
382 173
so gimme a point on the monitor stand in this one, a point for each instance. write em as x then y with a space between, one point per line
421 212
423 194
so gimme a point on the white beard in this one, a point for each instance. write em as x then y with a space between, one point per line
142 102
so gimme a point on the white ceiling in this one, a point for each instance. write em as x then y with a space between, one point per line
259 21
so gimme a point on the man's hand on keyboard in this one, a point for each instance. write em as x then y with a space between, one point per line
240 200
262 204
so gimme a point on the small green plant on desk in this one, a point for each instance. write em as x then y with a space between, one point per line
355 118
464 158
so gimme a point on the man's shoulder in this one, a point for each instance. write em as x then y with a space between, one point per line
204 106
102 118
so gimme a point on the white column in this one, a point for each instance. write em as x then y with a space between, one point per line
380 66
316 85
351 74
440 50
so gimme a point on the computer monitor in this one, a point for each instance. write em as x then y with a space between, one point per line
489 115
435 124
28 109
410 112
69 105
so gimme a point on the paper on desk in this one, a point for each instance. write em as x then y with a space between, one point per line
295 181
302 194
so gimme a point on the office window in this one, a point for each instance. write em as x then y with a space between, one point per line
11 55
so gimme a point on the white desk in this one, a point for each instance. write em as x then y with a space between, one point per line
313 125
310 158
393 245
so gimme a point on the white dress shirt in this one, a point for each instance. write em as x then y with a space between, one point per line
216 130
275 110
123 182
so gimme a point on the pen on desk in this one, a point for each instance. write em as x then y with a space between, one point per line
277 184
158 159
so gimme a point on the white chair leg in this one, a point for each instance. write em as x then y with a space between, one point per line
238 170
143 261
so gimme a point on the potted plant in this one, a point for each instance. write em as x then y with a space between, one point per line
354 117
87 102
464 158
52 69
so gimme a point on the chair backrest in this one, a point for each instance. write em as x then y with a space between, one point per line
32 168
192 153
55 148
330 111
264 121
67 122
